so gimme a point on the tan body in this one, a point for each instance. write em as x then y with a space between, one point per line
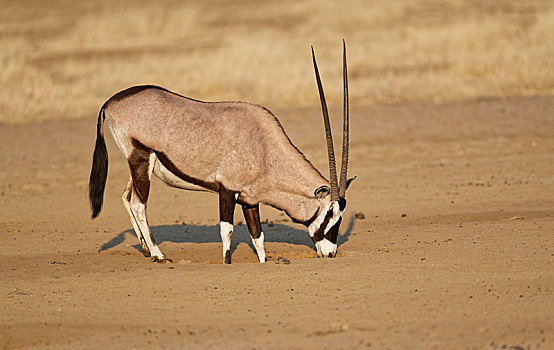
237 145
236 149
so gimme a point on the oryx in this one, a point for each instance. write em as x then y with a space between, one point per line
236 149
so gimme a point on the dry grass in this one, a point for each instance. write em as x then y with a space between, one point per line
63 59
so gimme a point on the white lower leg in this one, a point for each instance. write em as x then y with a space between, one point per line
139 213
226 231
259 245
135 227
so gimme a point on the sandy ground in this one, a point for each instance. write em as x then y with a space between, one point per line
455 251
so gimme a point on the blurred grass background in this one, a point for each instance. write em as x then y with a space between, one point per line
63 59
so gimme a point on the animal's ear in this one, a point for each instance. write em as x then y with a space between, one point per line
349 181
322 192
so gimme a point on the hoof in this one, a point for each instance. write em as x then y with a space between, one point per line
161 261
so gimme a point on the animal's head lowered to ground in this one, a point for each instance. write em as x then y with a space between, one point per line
237 150
324 227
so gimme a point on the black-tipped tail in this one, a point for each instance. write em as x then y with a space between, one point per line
99 171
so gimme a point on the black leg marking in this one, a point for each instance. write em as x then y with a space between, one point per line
228 257
252 217
227 203
139 161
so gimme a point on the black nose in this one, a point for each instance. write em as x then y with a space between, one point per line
331 255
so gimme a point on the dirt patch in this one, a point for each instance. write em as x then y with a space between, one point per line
469 265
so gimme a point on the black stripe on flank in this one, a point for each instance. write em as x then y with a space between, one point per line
173 168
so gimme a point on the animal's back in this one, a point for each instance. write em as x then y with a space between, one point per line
213 142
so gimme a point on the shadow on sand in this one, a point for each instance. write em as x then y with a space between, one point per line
277 233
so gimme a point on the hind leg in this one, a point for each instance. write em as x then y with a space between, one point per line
141 163
126 199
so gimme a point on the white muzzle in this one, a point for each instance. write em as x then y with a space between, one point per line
326 249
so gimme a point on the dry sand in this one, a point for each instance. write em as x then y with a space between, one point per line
452 143
470 265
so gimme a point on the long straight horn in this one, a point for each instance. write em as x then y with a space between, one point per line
345 129
330 150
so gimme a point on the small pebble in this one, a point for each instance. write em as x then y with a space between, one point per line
359 215
281 260
404 215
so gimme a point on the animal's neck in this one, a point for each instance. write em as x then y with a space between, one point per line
290 183
297 206
295 194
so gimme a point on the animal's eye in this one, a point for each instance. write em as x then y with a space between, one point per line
322 192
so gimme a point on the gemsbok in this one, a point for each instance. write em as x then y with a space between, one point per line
236 149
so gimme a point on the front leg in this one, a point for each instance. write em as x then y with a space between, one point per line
252 217
227 203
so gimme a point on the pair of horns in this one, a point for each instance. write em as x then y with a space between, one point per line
337 190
